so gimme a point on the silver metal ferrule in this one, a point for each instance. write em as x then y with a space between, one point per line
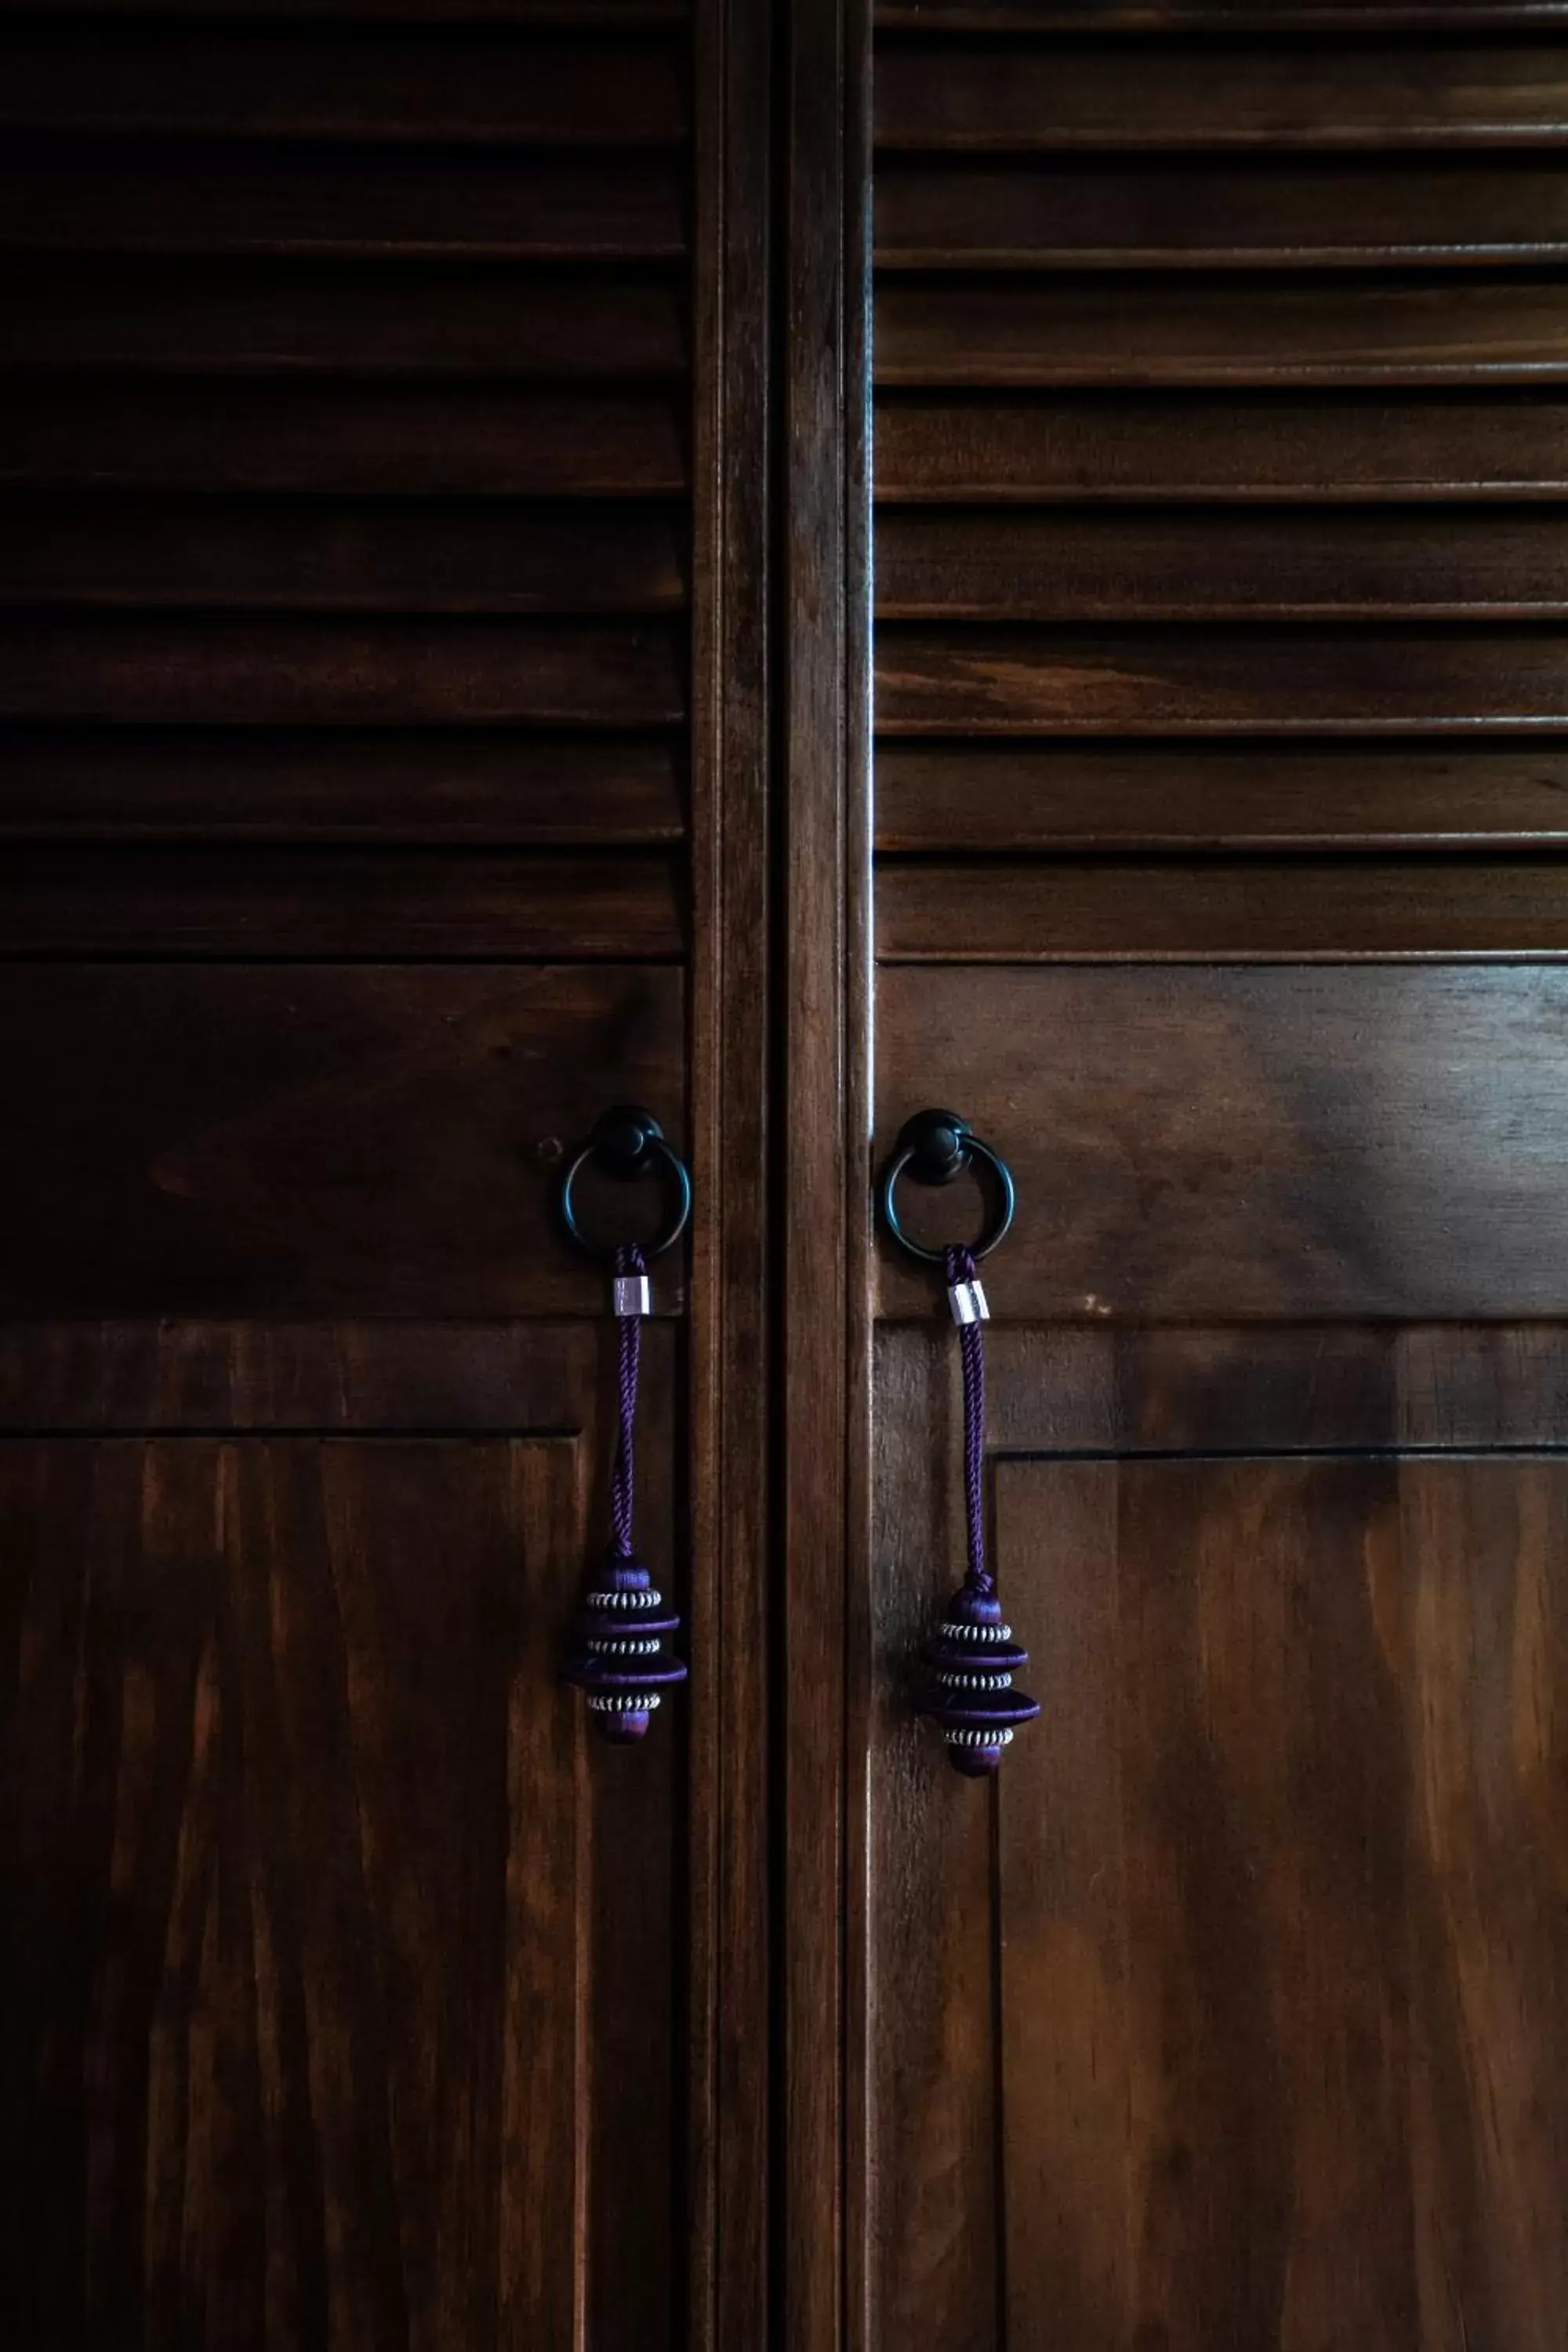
967 1300
633 1295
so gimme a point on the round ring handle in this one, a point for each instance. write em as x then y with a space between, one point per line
629 1143
934 1147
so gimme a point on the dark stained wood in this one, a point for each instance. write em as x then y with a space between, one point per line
1078 1387
265 671
1291 215
933 2191
350 440
1149 445
1011 98
343 903
1269 1143
260 81
1282 1858
314 1140
1225 331
1154 15
243 2079
1239 909
259 318
1171 1389
337 405
569 15
394 556
217 198
1002 797
821 1116
733 2166
548 790
1148 564
479 1379
1310 681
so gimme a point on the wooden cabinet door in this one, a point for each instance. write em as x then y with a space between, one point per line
1218 803
361 725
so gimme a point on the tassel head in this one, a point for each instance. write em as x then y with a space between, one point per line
971 1658
620 1657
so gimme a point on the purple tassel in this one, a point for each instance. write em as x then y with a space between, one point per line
620 1656
971 1655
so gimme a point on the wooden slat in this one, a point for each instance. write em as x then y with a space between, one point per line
1014 97
1132 214
1314 681
259 671
114 783
1237 330
345 904
1239 909
1180 1138
569 15
251 81
992 797
1155 445
405 440
124 197
1229 564
419 556
970 16
257 317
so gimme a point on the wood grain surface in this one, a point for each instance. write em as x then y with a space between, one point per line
322 1138
1287 1141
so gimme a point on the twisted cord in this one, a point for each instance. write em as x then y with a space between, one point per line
971 1348
623 1476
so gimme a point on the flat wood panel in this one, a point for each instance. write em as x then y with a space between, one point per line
1277 1894
394 556
934 2188
121 197
297 2006
1277 1142
1289 215
999 797
255 80
1011 97
341 903
265 671
1182 446
1223 331
1319 681
314 1140
108 782
314 317
404 440
1147 564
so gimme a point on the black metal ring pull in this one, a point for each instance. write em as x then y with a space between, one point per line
628 1144
936 1146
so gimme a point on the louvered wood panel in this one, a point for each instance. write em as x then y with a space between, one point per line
1139 268
344 379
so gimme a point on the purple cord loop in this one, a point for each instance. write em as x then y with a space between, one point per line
629 1260
971 1348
